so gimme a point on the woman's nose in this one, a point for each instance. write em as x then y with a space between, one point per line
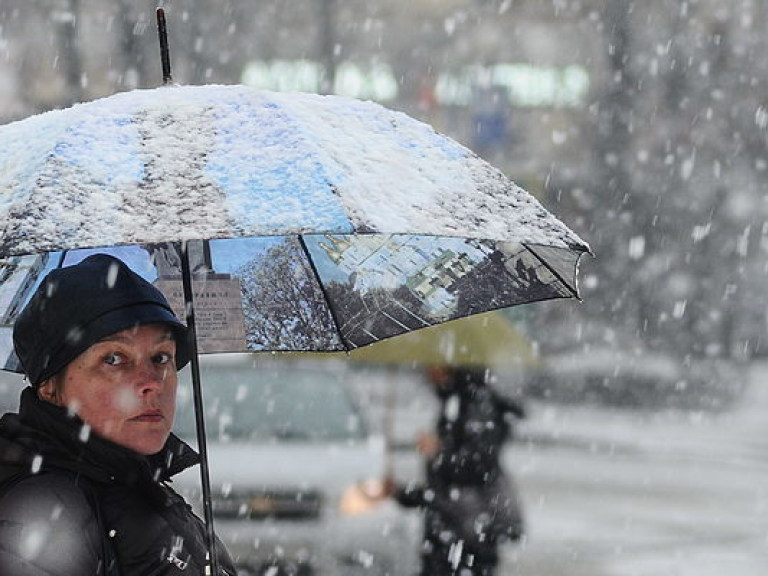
151 377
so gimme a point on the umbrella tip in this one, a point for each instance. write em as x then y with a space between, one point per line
165 56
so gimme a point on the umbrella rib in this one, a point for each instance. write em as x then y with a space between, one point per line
311 263
555 273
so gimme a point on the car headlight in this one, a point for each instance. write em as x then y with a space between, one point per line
362 498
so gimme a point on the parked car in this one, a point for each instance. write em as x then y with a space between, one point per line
291 460
636 379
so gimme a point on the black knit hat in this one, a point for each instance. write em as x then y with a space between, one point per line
76 306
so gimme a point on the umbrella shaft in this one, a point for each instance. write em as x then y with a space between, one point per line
165 54
197 393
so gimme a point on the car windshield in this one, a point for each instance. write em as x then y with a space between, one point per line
283 404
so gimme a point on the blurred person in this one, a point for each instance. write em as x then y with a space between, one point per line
470 505
490 121
86 462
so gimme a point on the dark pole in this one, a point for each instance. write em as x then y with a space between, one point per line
131 58
328 45
197 393
165 55
68 32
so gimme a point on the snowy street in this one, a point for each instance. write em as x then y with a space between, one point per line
621 493
625 494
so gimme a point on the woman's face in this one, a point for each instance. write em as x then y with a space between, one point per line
123 387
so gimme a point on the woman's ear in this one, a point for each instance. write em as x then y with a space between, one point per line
47 391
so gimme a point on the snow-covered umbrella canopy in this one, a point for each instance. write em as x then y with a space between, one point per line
320 222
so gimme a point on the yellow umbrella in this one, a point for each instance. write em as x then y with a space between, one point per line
489 339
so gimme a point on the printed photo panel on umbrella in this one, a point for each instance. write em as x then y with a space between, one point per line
381 286
235 285
317 292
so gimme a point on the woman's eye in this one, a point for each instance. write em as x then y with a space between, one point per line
163 358
112 359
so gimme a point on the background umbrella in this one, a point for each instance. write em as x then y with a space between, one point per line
281 221
489 340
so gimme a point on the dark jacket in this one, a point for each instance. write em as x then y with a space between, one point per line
474 424
70 501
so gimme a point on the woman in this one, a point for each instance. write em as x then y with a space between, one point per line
85 464
469 503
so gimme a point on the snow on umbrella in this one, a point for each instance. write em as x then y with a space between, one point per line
299 222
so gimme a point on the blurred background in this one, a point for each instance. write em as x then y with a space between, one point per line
642 125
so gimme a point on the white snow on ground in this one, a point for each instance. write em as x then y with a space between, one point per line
616 493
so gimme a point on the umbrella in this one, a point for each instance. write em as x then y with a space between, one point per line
275 221
386 225
489 340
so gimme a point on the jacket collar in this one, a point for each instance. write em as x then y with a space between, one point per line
49 432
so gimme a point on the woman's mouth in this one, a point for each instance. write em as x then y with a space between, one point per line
149 416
